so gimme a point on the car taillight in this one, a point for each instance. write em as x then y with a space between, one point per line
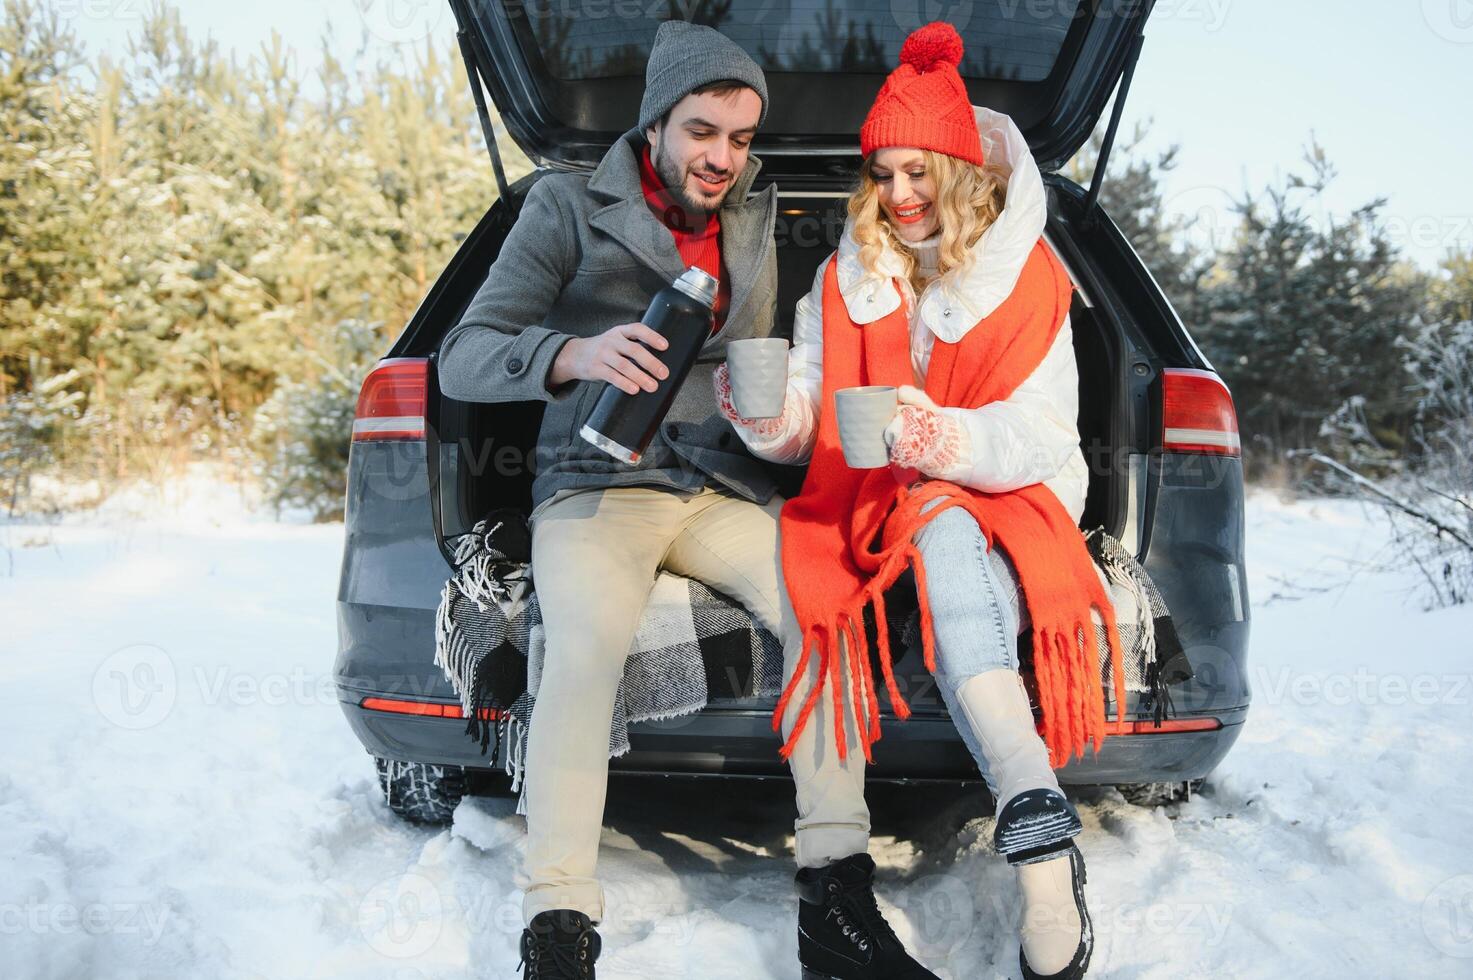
1172 725
391 404
429 709
1199 415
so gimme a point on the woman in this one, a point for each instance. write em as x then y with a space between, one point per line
942 286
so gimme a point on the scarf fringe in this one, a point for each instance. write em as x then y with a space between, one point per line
471 681
849 625
1118 573
1066 669
516 757
483 578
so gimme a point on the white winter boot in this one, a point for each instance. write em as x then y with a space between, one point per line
1034 820
1036 827
1055 936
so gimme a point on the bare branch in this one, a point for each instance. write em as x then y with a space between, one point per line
1411 510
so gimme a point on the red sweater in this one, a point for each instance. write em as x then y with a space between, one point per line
697 236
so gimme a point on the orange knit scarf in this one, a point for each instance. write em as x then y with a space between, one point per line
829 531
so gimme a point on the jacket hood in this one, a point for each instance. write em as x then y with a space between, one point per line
961 297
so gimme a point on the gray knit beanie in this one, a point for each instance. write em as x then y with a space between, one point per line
687 56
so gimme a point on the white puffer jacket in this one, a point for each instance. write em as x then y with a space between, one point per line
1029 437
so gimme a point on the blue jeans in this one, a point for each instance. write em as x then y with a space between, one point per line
977 612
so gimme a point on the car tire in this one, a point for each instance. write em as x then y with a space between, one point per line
1159 794
419 792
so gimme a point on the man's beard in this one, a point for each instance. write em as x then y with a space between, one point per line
673 178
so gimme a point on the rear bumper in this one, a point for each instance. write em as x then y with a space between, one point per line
740 742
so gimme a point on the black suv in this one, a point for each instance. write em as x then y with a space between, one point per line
1156 422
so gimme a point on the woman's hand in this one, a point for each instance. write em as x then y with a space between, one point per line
759 427
922 437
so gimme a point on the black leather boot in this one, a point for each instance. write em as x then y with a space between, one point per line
841 933
560 944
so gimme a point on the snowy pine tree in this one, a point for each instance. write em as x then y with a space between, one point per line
1303 316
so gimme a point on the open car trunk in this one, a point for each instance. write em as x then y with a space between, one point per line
568 82
567 86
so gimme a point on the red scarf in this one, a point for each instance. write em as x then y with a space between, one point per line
830 529
697 236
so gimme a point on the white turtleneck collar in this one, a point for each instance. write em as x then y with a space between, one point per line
928 254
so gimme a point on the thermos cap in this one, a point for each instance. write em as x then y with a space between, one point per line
698 284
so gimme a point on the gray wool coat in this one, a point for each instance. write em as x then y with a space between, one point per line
585 255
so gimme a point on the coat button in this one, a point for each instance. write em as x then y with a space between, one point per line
515 365
673 431
725 439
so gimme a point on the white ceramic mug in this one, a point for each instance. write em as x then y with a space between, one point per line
759 376
863 413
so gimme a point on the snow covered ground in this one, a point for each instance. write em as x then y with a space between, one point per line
180 795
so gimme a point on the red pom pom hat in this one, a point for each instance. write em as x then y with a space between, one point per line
924 102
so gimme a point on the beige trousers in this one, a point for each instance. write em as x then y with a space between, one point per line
595 554
833 818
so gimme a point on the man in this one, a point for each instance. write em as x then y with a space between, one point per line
556 317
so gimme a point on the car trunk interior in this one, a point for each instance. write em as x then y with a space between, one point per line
483 449
566 86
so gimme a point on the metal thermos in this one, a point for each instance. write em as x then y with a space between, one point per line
622 424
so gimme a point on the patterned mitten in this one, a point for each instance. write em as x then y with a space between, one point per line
758 427
923 438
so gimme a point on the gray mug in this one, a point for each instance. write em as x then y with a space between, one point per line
863 413
759 376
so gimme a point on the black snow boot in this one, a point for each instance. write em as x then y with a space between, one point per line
841 933
560 944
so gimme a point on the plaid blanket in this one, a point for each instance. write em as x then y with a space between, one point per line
692 640
1154 656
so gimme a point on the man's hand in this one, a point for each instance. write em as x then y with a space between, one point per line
618 356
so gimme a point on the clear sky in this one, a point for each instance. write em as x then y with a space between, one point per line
1384 85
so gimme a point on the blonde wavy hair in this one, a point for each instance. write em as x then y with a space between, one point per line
968 200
